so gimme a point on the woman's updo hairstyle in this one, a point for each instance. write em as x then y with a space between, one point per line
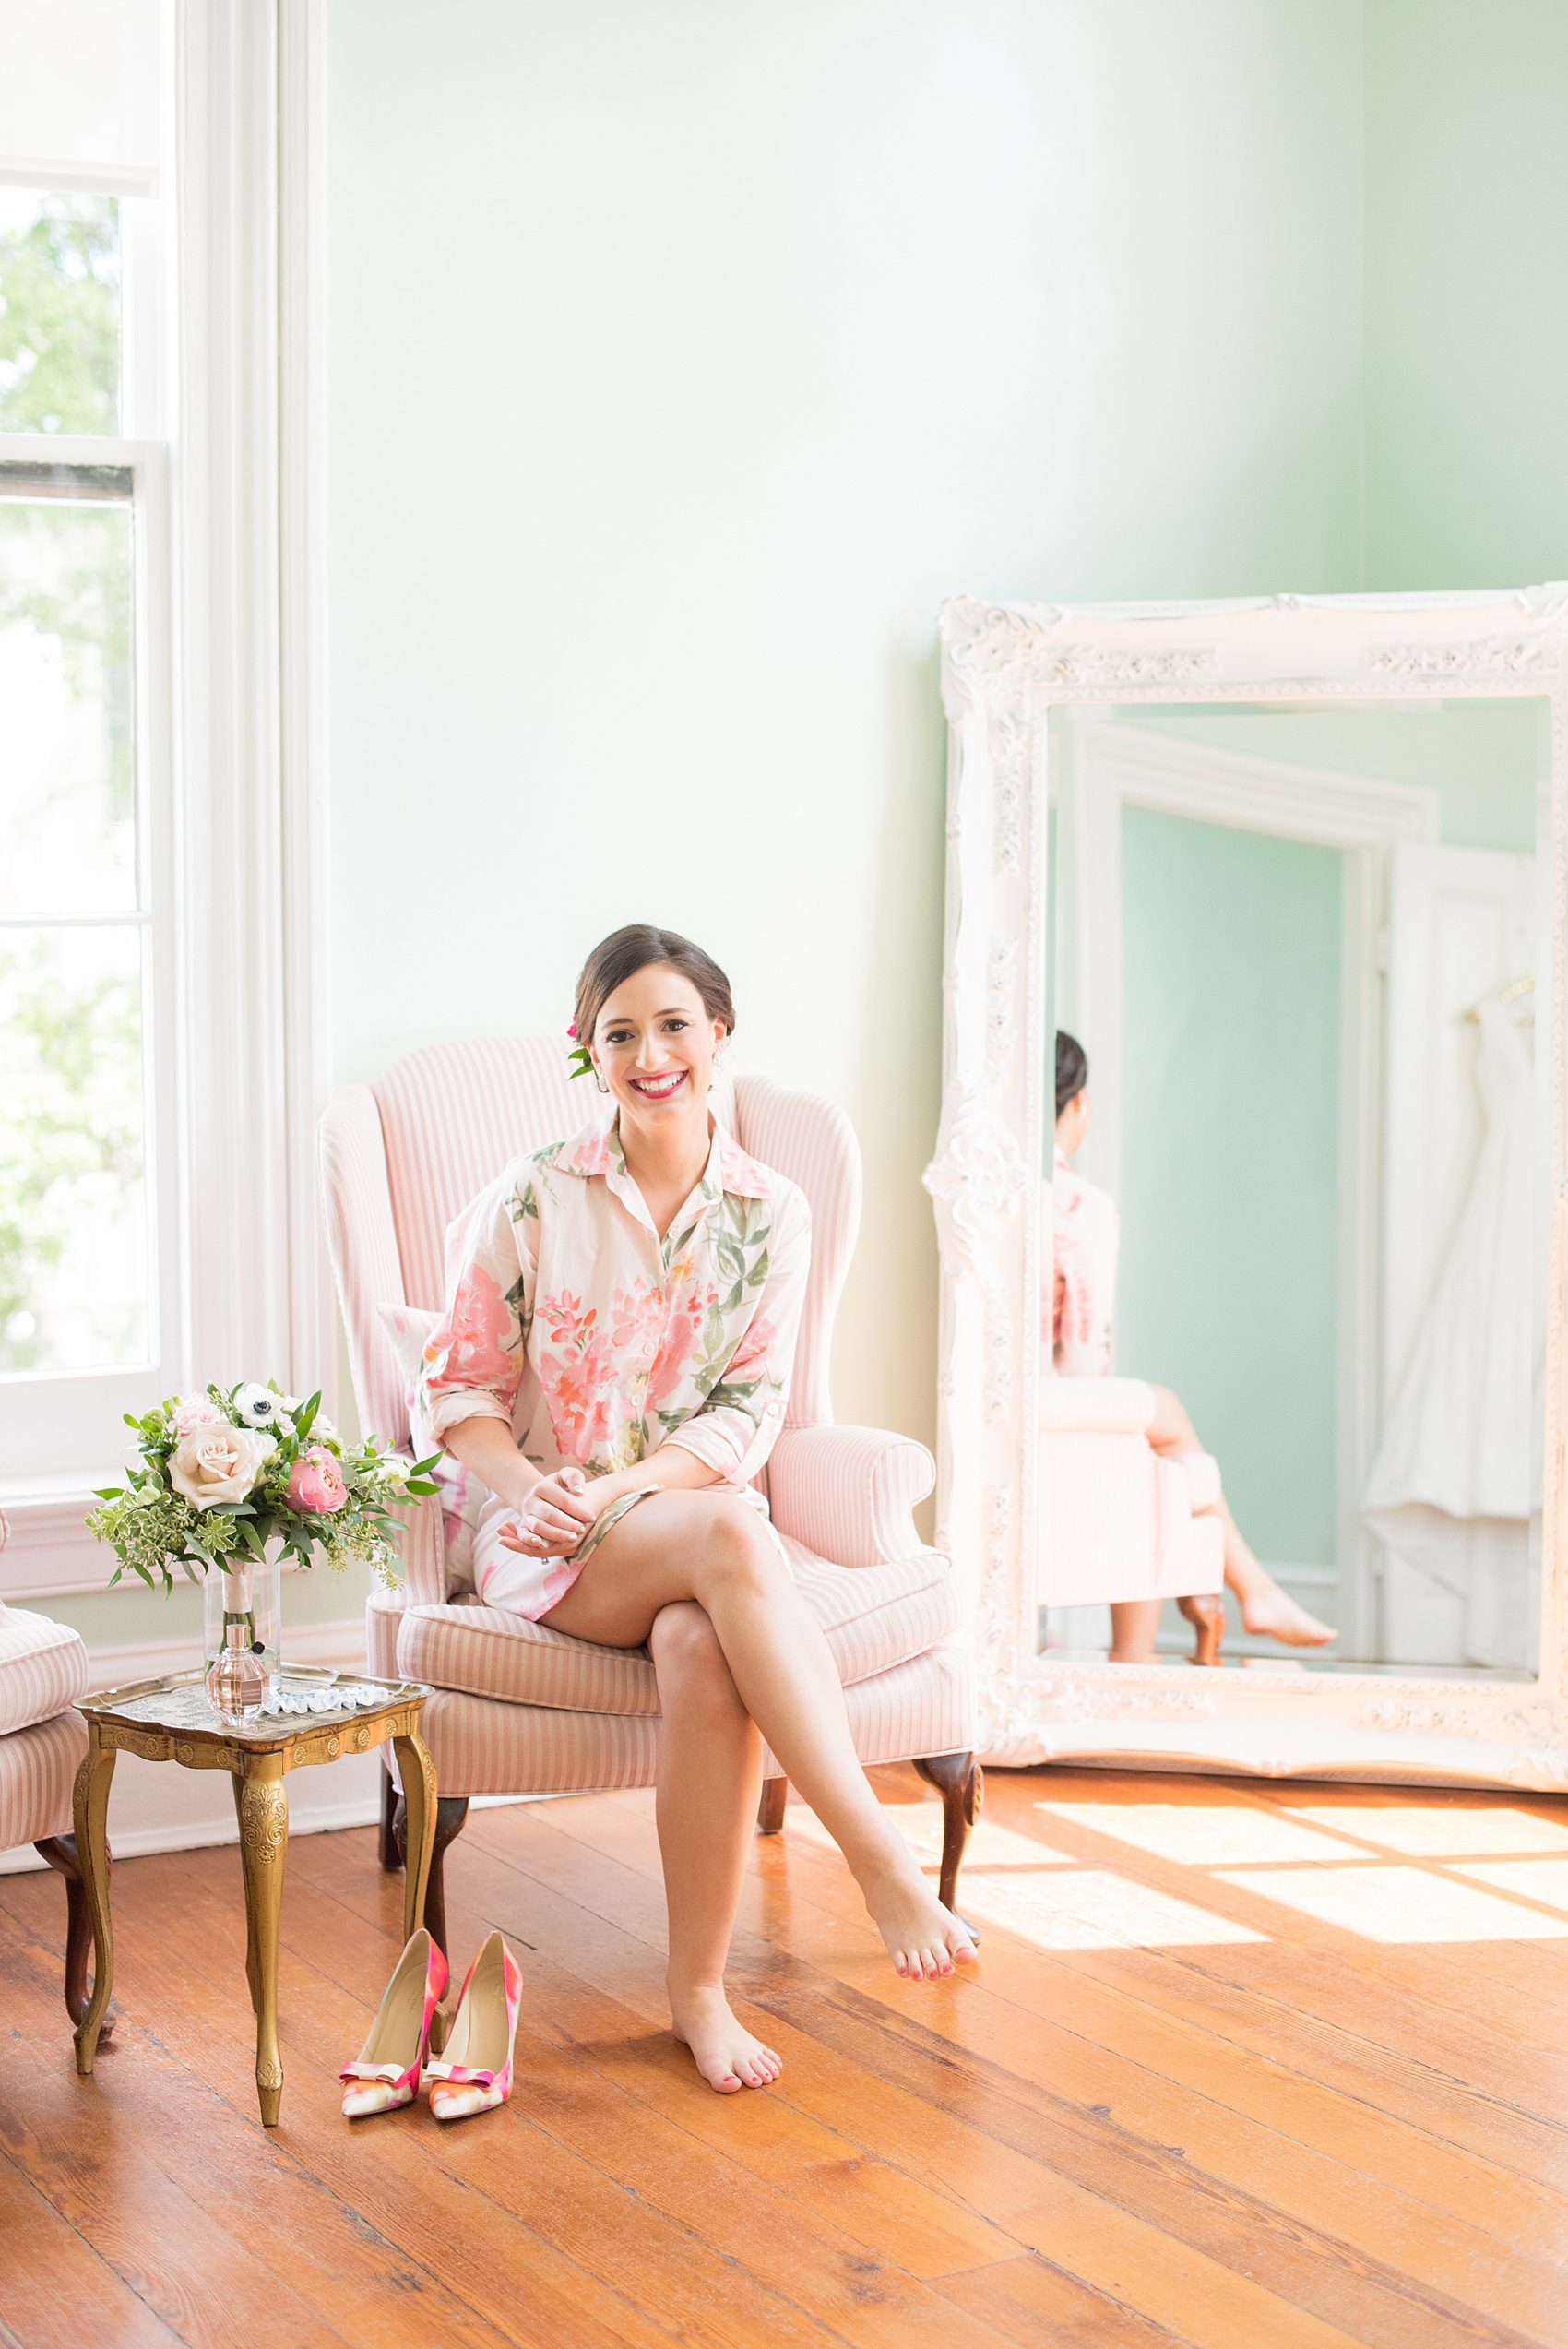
1072 1070
625 952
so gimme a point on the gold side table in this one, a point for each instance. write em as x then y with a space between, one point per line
171 1719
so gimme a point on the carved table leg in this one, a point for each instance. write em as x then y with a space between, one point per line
770 1810
60 1851
957 1779
263 1807
418 1773
90 1809
390 1856
1206 1612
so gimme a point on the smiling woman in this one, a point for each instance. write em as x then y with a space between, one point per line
614 1363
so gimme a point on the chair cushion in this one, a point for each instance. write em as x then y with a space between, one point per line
43 1668
37 1771
875 1616
482 1748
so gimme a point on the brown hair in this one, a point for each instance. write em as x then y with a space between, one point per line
1072 1070
625 952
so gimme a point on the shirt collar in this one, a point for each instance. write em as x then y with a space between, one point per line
597 1151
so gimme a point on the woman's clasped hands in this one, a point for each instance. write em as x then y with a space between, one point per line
553 1518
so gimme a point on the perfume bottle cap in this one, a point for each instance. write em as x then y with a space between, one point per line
234 1637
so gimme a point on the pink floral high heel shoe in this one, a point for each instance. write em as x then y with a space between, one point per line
475 2072
388 2072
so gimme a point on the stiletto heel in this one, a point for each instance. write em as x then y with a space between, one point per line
475 2074
388 2072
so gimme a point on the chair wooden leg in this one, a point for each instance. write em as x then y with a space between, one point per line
957 1778
1206 1612
391 1858
770 1810
60 1851
451 1810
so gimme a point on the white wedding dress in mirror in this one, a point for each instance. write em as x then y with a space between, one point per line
1455 1487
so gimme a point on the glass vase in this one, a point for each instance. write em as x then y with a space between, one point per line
250 1595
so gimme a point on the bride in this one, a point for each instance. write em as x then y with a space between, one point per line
613 1363
1083 1312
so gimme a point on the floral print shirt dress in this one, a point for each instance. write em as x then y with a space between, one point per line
1086 1236
597 1342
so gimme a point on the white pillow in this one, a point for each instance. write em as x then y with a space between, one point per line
462 1495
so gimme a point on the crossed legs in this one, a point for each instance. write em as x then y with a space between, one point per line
697 1576
1266 1608
710 1771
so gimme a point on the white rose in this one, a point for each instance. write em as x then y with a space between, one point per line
213 1464
259 1407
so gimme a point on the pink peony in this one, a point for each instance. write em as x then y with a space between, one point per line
316 1484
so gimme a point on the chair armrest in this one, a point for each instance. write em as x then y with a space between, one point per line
846 1491
1098 1406
1204 1488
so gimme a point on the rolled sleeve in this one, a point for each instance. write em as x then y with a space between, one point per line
736 1428
474 1356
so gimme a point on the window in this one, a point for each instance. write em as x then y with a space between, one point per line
162 1025
89 1302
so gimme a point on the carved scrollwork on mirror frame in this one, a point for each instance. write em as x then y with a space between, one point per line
1005 668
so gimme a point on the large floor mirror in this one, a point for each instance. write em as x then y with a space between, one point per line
1246 1177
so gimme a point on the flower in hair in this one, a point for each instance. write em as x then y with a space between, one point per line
572 1031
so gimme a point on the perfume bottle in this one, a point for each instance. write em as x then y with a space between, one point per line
238 1682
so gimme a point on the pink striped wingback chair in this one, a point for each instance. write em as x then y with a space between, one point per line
43 1741
522 1710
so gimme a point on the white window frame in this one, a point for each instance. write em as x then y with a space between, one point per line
235 513
51 1420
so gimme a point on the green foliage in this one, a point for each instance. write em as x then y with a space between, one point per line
65 571
70 1078
60 318
152 1528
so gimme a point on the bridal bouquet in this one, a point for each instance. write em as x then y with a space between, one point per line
216 1477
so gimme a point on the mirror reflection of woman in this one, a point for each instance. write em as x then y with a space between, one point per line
1082 1322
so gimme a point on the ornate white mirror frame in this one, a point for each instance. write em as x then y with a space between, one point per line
1004 666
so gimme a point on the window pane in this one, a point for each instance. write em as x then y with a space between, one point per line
59 312
67 769
73 1210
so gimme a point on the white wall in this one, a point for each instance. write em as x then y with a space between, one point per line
683 358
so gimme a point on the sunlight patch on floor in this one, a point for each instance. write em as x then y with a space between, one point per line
1545 1880
1091 1909
1203 1835
1441 1833
920 1824
1397 1904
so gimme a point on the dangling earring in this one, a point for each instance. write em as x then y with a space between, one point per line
598 1080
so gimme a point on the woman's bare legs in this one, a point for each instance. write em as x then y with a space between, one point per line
717 1550
1134 1625
710 1773
1266 1610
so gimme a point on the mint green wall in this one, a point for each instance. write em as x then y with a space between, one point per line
1467 281
1230 1157
1229 1100
683 358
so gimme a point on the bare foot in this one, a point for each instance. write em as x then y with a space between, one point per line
1271 1615
924 1940
722 2049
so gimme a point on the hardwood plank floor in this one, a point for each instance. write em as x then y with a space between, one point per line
1243 2065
